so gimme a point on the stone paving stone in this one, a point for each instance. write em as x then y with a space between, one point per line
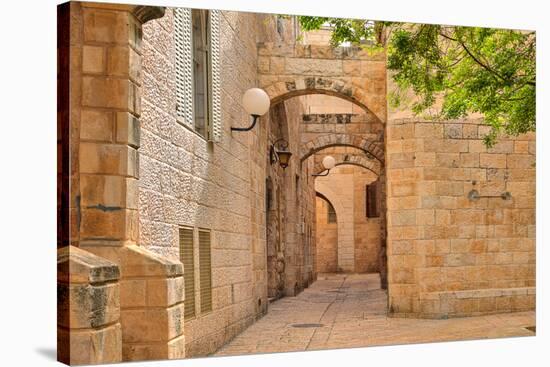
352 311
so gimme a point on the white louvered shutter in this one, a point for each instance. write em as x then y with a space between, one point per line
184 65
216 127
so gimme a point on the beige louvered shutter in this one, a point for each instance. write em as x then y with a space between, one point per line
216 127
205 265
183 28
187 258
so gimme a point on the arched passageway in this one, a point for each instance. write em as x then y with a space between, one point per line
312 131
355 137
359 236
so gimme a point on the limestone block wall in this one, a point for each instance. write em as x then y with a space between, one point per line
286 254
297 69
449 255
339 189
319 37
367 230
326 240
300 211
188 181
326 104
363 123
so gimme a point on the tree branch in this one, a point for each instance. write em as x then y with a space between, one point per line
479 62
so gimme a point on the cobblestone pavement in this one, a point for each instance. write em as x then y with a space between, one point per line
351 311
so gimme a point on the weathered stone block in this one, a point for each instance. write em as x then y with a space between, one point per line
106 92
312 67
351 67
89 346
87 305
133 293
165 292
127 129
118 62
488 160
77 266
88 308
93 59
520 161
469 131
469 160
453 131
105 26
103 223
108 191
108 159
428 130
96 125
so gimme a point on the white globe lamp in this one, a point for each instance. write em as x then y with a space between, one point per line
256 103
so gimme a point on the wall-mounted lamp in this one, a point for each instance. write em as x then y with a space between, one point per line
279 153
328 162
255 103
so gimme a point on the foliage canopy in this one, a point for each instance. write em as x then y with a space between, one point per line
473 70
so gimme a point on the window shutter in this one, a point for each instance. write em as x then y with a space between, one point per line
215 77
184 65
187 258
205 271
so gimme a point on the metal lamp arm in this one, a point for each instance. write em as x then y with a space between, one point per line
322 174
254 120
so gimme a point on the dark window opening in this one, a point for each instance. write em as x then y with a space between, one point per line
372 201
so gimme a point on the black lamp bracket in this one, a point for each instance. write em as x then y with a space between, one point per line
327 171
254 120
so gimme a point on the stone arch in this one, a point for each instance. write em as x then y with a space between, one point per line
355 160
320 142
299 86
344 219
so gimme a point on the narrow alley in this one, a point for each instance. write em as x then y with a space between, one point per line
349 310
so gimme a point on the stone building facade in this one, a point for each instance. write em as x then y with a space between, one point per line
180 237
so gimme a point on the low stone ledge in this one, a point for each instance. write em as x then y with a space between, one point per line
88 308
474 302
75 265
136 261
479 293
151 302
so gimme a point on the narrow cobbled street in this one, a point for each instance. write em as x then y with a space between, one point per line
343 311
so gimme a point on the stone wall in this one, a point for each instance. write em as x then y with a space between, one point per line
292 229
188 181
449 255
287 69
326 239
102 119
367 230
